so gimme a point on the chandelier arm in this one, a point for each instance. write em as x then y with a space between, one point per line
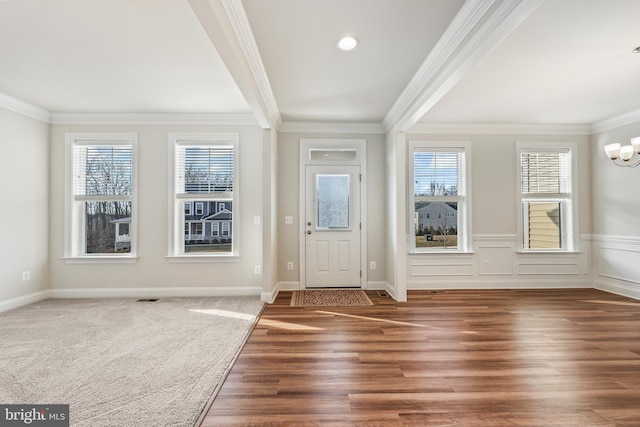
628 163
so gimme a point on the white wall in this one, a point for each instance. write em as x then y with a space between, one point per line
495 261
153 274
289 200
616 216
24 173
270 223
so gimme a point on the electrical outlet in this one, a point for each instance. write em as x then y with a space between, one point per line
26 276
373 265
288 220
289 265
256 220
257 269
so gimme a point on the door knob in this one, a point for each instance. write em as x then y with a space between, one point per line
309 223
308 231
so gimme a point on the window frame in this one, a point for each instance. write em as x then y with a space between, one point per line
463 199
176 247
75 225
567 201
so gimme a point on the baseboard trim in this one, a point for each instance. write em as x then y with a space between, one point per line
21 301
270 297
494 284
288 286
154 292
619 289
382 286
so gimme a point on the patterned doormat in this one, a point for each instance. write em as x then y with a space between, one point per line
330 297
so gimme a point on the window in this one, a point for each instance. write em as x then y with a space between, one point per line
545 194
439 196
205 176
187 208
101 195
199 208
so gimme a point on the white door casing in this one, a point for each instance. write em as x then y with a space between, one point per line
332 226
334 253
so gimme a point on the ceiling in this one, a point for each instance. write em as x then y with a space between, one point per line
418 61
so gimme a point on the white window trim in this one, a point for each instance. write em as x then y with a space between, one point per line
176 229
464 215
73 235
201 208
569 211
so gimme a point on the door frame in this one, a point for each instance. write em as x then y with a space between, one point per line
308 146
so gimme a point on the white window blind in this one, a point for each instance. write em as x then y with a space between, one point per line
545 172
102 170
204 169
436 173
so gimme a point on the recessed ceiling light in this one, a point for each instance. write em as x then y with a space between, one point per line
347 43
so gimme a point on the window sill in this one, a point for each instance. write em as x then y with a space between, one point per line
101 260
202 258
441 253
537 252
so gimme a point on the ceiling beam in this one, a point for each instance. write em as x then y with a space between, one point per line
479 26
226 24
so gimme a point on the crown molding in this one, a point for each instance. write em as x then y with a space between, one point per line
24 108
331 127
152 119
616 122
479 26
242 30
498 129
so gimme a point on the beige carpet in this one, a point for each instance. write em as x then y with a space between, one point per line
330 297
118 362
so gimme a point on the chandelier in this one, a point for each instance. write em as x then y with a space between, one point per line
624 155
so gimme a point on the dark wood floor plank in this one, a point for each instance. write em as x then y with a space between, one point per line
451 358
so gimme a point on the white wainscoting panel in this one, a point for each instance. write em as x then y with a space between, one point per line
496 263
556 264
620 264
441 265
616 264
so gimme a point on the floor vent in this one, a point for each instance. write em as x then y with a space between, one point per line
383 294
147 300
434 292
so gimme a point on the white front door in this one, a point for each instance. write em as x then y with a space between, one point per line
332 226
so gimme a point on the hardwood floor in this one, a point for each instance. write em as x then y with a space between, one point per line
452 358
